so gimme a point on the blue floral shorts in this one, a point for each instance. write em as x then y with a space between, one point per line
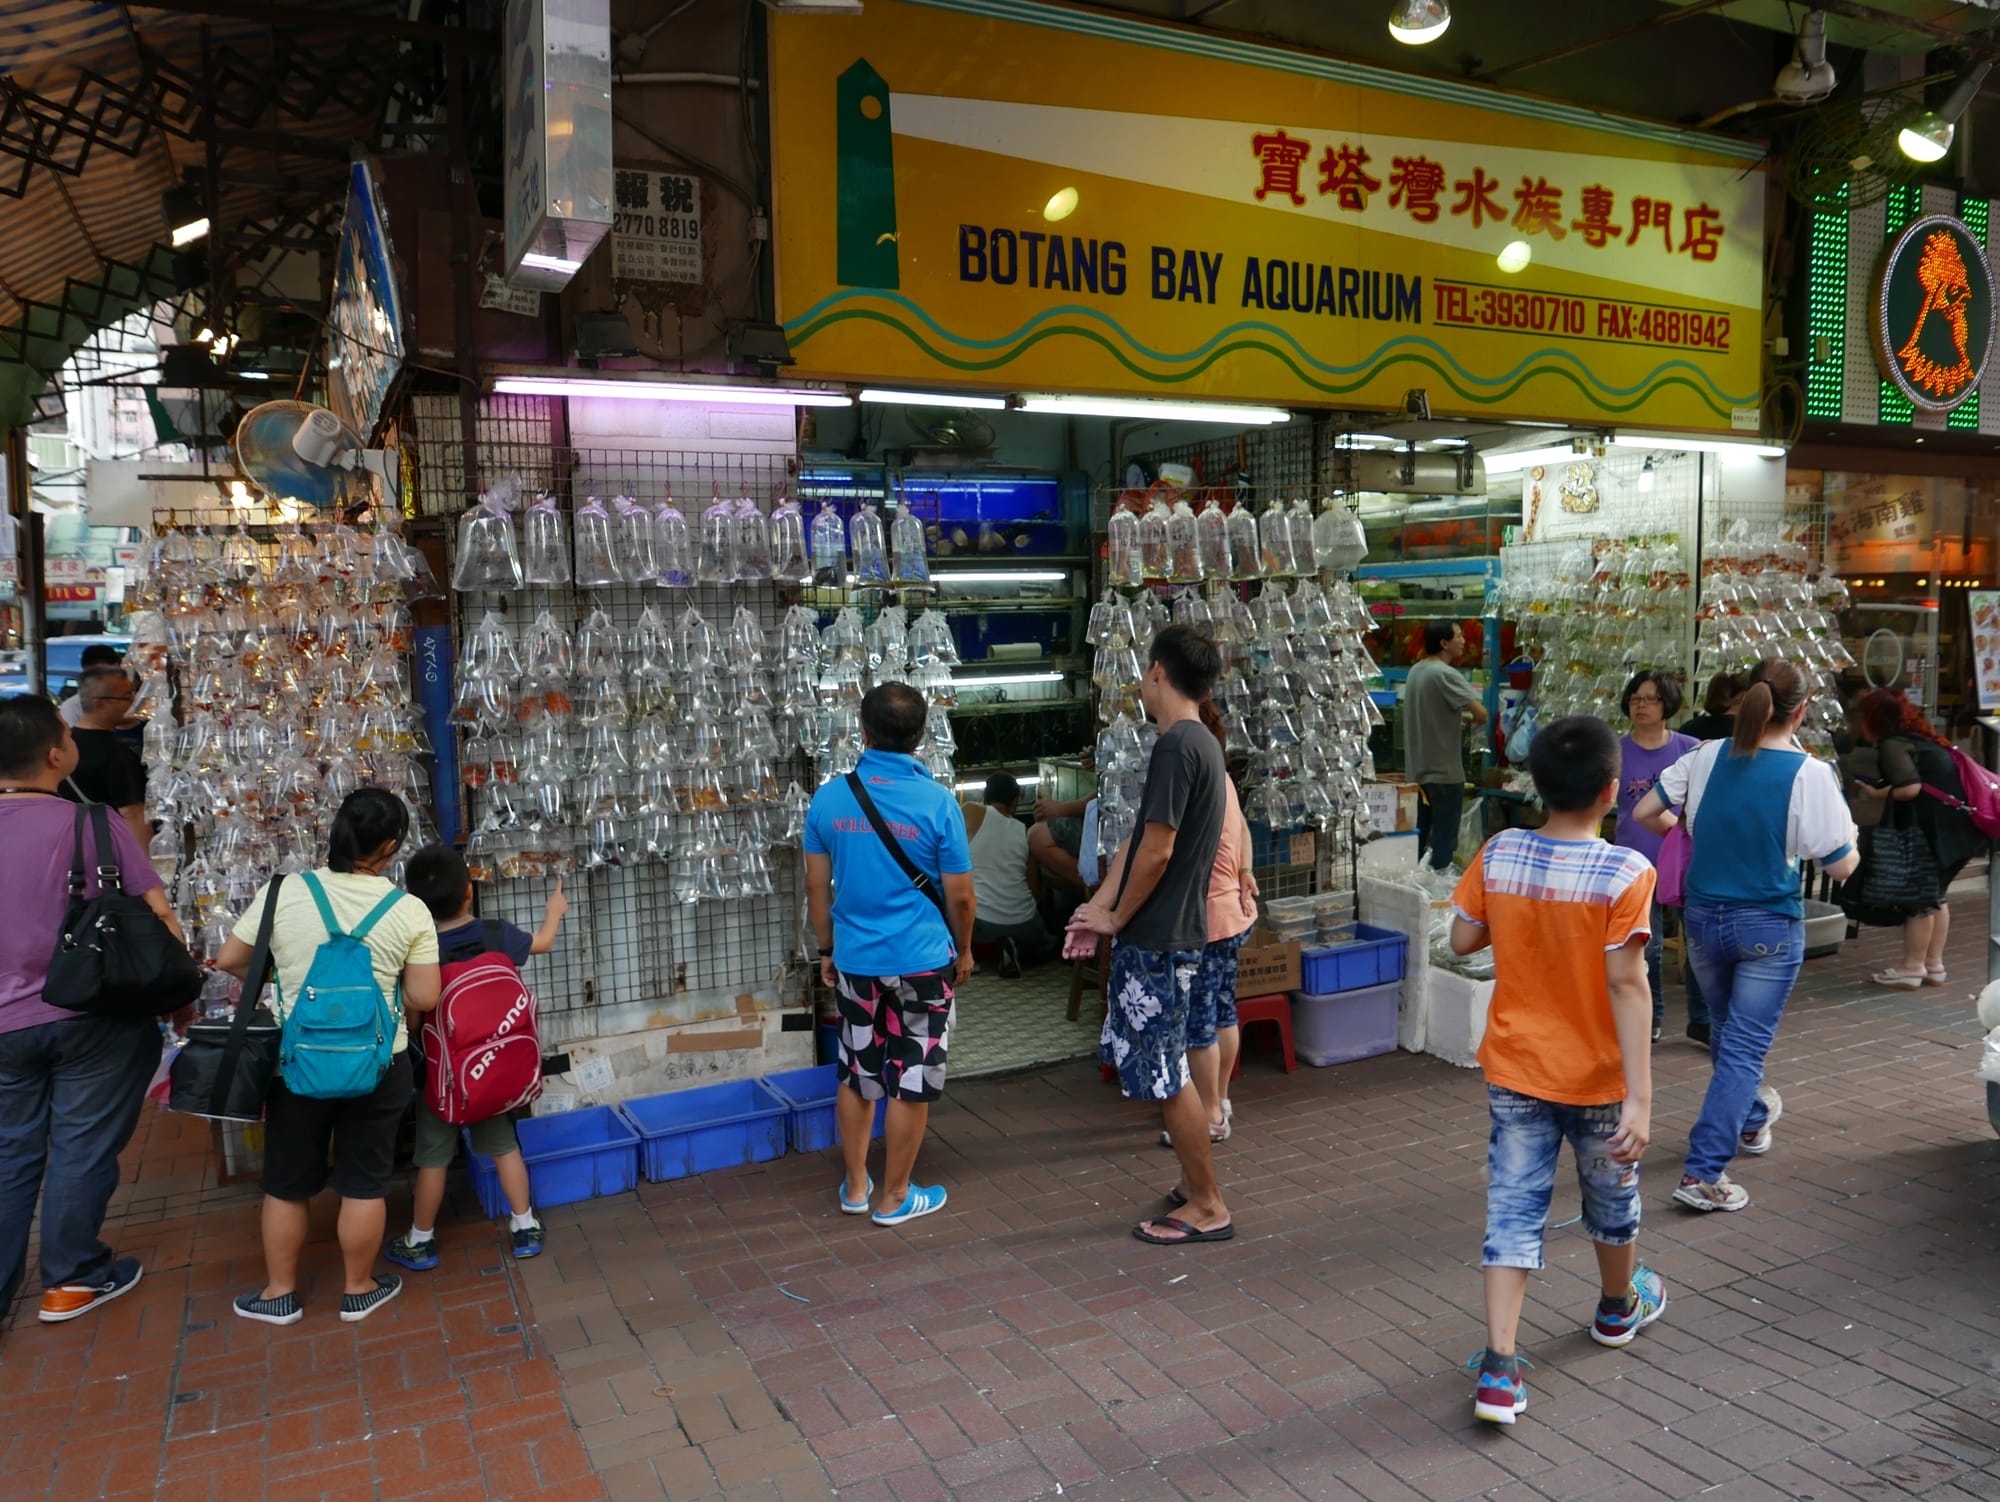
1214 1005
1146 1020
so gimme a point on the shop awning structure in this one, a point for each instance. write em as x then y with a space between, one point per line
257 106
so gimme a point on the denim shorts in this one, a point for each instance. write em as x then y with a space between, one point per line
1145 1034
1528 1135
1213 1006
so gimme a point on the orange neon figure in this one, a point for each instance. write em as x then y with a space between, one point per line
1937 357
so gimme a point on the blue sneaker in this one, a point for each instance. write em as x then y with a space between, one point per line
1502 1395
1614 1327
417 1256
919 1201
527 1242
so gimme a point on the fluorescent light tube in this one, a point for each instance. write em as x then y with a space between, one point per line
1152 411
536 261
935 399
1702 445
187 234
1002 680
1520 459
1032 780
669 391
997 576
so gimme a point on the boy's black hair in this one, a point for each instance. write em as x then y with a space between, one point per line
437 877
1573 761
1188 658
1436 634
368 819
893 715
30 728
1669 689
1002 791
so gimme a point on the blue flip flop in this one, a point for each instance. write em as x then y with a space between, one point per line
847 1207
919 1201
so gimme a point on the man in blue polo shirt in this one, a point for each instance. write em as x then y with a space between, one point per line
886 949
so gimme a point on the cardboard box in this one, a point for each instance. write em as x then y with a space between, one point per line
1266 965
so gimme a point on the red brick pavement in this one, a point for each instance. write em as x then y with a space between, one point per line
1839 1339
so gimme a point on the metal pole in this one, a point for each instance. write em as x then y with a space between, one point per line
28 588
1991 725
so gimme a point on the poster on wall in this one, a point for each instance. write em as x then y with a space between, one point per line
1088 202
655 226
1984 608
1883 522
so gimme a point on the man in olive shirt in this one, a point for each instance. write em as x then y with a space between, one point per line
1435 701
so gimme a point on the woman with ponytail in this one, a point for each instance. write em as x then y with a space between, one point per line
1755 806
1913 757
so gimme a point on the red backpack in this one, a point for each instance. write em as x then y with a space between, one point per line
484 1056
1981 803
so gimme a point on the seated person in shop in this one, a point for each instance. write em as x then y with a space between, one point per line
1005 882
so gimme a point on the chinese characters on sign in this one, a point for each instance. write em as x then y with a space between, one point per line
1415 183
655 226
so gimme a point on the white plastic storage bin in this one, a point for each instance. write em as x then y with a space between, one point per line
1345 1025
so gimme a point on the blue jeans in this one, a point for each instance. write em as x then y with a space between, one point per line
1528 1134
1747 960
70 1094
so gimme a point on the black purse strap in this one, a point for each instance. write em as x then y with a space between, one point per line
110 879
76 853
246 1003
918 879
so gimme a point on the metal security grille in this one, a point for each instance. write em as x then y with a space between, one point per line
630 955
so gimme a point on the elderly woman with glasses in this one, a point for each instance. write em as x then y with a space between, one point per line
1648 749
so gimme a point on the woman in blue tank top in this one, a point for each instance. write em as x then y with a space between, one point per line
1755 806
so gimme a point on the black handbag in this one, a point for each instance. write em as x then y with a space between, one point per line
115 958
1900 872
224 1069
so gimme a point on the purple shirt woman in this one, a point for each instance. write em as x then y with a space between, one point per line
1649 701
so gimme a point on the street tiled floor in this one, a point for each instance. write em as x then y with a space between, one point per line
735 1336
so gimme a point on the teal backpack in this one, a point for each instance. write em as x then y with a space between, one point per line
340 1033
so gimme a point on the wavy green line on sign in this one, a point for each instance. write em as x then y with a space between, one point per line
812 317
1657 382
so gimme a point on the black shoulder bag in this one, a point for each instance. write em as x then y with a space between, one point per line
114 957
225 1069
918 879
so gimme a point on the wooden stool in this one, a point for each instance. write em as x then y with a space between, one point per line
1278 1009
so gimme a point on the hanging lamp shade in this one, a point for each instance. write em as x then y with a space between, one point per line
1415 22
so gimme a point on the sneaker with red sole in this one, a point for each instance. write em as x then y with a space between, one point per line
68 1300
1502 1395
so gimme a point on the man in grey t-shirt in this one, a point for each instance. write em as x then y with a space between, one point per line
1435 702
1154 905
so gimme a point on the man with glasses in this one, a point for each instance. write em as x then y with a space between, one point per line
107 771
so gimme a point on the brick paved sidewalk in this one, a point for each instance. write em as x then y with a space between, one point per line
734 1336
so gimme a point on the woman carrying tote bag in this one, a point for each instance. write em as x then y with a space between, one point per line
360 1131
1756 805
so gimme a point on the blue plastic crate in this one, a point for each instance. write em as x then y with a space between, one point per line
1376 957
712 1126
810 1094
571 1156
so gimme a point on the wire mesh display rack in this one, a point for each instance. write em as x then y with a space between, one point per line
629 944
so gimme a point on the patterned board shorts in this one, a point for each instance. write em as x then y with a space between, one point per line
1145 1034
894 1033
1214 1003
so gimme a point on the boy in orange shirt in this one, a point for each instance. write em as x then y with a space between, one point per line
1568 1050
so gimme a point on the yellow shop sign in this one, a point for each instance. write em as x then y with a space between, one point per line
1006 193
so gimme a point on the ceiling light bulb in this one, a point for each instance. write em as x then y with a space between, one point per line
1061 204
1926 138
1515 256
1415 22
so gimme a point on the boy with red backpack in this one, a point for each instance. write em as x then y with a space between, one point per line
482 1057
